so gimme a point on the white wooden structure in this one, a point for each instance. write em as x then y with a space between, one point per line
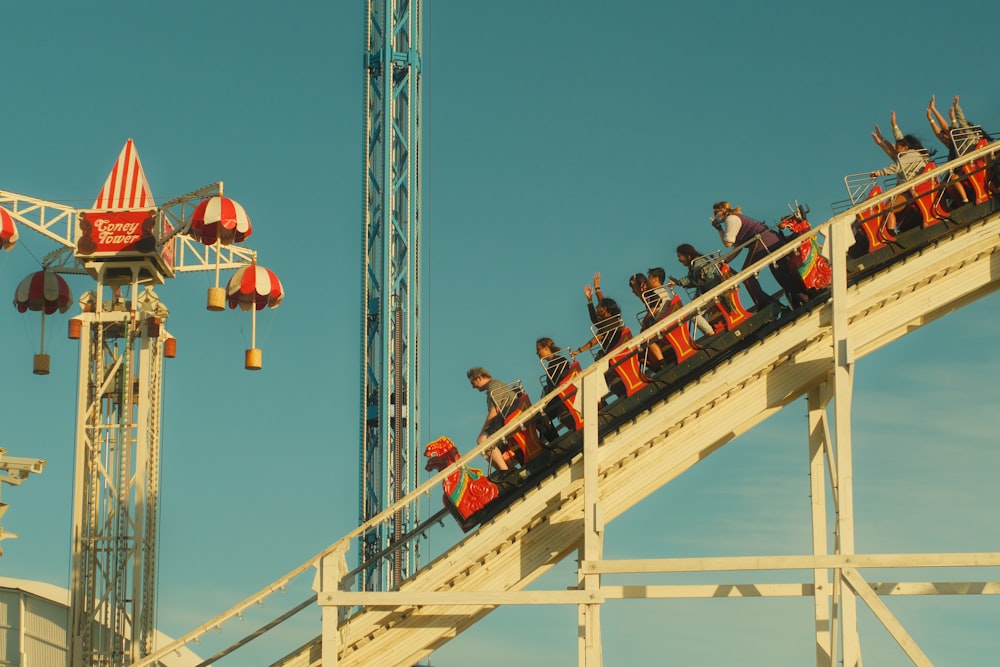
812 356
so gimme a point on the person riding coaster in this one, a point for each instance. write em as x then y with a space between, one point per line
738 231
559 372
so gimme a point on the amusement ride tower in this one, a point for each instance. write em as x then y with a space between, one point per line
390 383
127 245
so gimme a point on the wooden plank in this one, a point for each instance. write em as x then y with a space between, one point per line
459 598
888 620
766 590
804 562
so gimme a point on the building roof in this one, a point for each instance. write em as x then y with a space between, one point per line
183 657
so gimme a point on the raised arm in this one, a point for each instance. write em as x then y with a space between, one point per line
957 115
882 142
938 124
897 134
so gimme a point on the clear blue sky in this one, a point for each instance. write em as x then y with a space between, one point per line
562 138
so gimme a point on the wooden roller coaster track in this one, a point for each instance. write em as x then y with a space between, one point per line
811 354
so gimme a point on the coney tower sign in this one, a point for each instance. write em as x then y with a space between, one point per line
122 248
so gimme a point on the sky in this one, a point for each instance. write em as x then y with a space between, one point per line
560 139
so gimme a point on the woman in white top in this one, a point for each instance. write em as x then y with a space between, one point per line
911 158
736 229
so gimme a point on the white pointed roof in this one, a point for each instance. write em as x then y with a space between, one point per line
126 186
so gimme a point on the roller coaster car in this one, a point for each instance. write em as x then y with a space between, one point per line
921 221
742 327
466 490
973 175
473 498
926 193
869 227
559 372
732 309
922 208
708 352
624 376
814 270
661 303
523 446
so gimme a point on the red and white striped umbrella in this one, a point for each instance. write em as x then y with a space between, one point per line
219 219
8 230
45 291
254 286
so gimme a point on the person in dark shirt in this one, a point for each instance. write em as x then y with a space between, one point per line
608 315
556 366
498 394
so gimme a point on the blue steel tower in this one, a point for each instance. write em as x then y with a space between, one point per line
390 384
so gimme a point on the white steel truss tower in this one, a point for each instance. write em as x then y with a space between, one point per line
123 341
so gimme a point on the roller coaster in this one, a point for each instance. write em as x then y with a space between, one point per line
628 447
